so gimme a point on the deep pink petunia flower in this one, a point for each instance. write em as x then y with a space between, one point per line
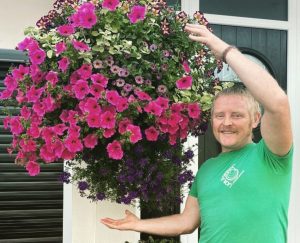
110 4
63 64
114 150
85 71
47 153
33 168
137 13
136 134
151 134
52 77
10 83
81 89
107 120
112 97
194 110
186 67
99 79
19 73
96 90
93 120
16 126
142 95
37 56
184 82
66 30
153 108
60 47
90 141
80 46
73 144
88 19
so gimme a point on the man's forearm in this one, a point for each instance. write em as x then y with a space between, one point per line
258 81
166 226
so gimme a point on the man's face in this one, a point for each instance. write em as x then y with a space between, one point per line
232 122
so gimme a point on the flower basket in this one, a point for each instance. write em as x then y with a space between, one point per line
114 88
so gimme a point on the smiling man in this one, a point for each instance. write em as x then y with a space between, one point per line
242 195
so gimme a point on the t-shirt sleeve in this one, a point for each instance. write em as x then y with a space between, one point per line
279 164
194 189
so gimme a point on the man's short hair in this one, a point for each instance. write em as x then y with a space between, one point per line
241 90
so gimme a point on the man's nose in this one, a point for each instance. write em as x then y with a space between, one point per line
227 121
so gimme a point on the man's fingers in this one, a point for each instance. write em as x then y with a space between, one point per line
198 38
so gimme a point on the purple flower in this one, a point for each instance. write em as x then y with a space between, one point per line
100 196
65 177
83 185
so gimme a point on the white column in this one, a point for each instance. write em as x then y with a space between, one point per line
293 93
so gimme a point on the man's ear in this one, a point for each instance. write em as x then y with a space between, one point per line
256 119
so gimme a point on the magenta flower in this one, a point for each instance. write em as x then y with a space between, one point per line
142 95
151 134
80 46
107 120
28 145
81 89
135 131
34 94
52 77
112 97
60 47
24 44
108 132
92 106
96 90
114 150
153 108
66 30
194 110
93 120
90 141
47 154
123 125
85 71
16 126
67 155
110 4
6 94
137 13
59 129
63 64
19 73
186 67
122 104
39 108
88 19
37 56
73 144
10 83
184 83
33 168
99 79
162 102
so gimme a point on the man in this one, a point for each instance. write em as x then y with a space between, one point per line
243 194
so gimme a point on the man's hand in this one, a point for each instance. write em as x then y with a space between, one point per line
128 223
201 34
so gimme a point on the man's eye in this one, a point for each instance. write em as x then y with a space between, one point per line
236 115
219 115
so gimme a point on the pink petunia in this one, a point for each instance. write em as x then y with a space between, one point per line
153 108
112 97
59 129
10 83
47 154
151 134
52 77
92 106
107 120
60 47
33 168
142 95
90 141
162 102
63 64
110 4
176 107
67 155
37 57
73 144
34 94
135 131
81 89
66 30
123 125
24 44
88 19
39 108
25 112
80 46
137 13
96 90
122 104
85 71
93 120
184 82
114 150
27 145
194 110
16 126
33 131
186 67
108 132
19 73
6 94
99 79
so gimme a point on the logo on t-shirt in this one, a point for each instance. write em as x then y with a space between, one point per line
231 175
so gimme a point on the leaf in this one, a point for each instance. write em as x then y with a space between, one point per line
49 53
98 48
95 33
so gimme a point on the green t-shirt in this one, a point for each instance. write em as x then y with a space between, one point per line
243 196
